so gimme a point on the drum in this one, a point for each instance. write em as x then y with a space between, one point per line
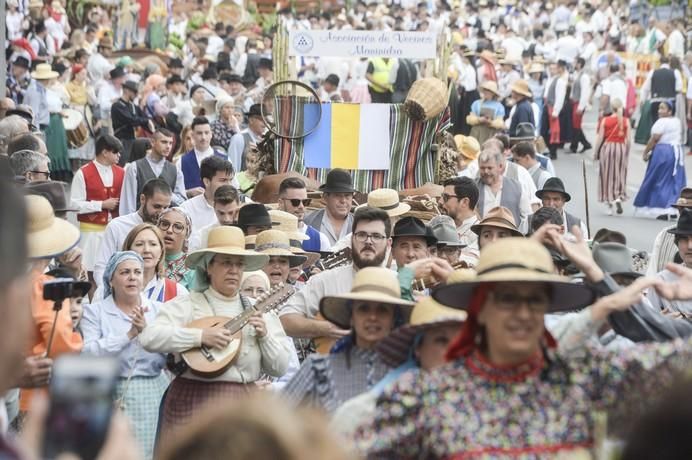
75 128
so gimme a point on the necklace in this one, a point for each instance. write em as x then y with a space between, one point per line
175 268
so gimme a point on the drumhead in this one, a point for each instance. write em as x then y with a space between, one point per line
71 119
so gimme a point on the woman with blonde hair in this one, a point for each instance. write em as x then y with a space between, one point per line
185 143
150 100
613 155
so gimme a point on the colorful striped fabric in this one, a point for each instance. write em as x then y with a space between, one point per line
412 163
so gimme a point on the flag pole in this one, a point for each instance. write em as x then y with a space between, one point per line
586 198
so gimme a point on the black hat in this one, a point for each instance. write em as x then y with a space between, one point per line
333 79
265 63
131 85
234 78
79 288
21 61
53 191
195 88
524 132
684 226
253 214
59 67
174 79
255 111
413 226
176 63
117 72
338 181
210 73
554 184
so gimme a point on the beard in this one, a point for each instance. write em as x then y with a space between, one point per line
361 262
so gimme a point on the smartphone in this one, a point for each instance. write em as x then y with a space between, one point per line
81 405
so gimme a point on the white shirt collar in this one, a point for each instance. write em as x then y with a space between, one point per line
204 153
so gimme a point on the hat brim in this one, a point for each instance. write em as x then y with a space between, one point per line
294 260
53 241
506 225
520 91
681 232
430 240
47 76
566 296
567 196
496 93
632 275
516 140
253 260
452 244
312 257
324 188
335 309
400 210
396 347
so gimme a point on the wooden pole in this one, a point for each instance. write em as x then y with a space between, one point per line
586 198
3 63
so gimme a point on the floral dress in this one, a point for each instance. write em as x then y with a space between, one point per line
470 408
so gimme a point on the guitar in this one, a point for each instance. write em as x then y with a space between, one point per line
420 284
212 362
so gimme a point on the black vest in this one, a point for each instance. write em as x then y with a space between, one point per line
405 75
251 73
663 83
169 174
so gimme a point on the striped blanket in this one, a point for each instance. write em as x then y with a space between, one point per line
412 162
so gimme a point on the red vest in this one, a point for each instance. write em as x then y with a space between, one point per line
96 191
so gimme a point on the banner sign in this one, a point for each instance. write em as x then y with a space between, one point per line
362 43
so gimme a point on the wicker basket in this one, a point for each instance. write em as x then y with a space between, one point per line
426 99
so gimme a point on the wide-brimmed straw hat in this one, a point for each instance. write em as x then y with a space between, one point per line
521 87
371 284
395 349
499 217
226 240
685 199
536 67
44 72
517 260
386 199
468 146
492 87
276 243
288 223
48 236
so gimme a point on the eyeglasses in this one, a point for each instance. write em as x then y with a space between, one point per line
446 197
509 301
45 173
295 202
166 224
362 237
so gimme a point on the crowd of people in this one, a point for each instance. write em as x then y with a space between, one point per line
493 326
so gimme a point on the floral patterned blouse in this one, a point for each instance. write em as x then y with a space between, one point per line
471 409
221 134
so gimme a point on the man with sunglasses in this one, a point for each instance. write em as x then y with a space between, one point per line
30 166
458 201
293 198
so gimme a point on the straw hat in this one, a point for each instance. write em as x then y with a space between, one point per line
228 241
386 199
288 223
426 314
468 146
276 243
106 41
536 67
371 284
515 260
44 72
492 87
521 87
499 217
57 7
48 236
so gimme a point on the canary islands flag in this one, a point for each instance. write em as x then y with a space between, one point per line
349 136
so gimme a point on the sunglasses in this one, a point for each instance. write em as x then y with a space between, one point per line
295 202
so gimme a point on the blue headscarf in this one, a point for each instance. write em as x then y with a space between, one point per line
116 259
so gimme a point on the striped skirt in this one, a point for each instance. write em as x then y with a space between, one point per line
186 397
612 174
141 406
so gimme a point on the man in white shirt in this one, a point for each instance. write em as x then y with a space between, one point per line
251 135
226 206
153 165
155 197
524 155
108 92
568 46
676 40
191 162
580 96
98 65
613 87
554 97
95 192
214 172
293 198
458 201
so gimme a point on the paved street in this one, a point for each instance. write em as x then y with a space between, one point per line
640 232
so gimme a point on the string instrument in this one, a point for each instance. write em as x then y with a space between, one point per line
420 284
333 260
212 362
